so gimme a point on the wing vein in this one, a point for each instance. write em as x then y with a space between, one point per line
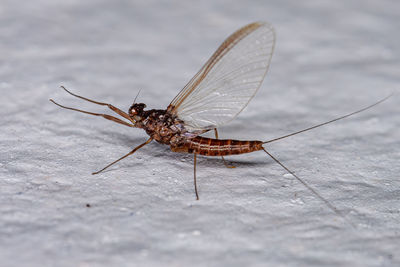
222 88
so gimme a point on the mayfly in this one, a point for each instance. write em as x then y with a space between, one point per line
214 96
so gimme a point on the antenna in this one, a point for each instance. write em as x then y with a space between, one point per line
134 101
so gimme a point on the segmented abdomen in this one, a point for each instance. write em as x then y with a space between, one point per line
218 147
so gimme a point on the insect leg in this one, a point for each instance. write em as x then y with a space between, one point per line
130 153
327 203
223 159
115 109
194 177
108 117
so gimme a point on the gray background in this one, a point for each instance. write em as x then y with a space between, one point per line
331 57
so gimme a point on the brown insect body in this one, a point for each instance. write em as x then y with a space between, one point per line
217 147
165 128
159 124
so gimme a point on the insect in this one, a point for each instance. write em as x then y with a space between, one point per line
214 96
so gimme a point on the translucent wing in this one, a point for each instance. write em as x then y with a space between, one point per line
228 81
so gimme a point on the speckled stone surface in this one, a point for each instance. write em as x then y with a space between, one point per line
331 58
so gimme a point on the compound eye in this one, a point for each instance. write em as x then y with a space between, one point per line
141 106
136 109
132 111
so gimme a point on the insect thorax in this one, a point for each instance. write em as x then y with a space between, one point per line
162 126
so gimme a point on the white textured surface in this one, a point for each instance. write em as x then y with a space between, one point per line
331 57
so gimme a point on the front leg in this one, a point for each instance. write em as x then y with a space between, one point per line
113 108
105 116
